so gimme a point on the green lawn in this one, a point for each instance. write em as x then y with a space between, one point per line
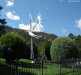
78 72
36 69
7 70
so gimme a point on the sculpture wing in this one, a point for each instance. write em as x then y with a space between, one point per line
33 35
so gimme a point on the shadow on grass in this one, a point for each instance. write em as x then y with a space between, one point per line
70 66
26 65
31 65
7 70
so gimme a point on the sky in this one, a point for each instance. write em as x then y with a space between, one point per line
59 17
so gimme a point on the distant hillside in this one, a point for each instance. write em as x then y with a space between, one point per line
45 36
39 44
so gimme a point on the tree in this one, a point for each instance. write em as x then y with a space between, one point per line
12 46
78 43
47 49
42 48
2 23
71 36
63 48
35 51
28 51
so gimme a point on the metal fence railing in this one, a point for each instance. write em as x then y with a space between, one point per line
61 67
20 68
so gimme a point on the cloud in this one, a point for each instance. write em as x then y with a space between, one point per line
73 0
11 16
35 27
10 3
64 31
78 23
24 27
70 0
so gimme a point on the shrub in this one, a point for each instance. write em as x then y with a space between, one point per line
25 60
12 46
63 48
2 60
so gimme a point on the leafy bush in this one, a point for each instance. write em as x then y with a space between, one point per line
12 46
2 60
78 43
47 49
25 60
63 48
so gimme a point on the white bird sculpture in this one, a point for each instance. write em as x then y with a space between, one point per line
34 27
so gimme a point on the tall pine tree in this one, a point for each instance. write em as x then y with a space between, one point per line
2 23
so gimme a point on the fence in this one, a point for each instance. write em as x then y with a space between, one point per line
61 67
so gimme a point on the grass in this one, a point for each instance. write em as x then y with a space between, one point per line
36 69
77 72
7 70
25 60
2 60
54 69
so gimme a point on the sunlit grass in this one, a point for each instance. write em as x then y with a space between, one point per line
2 60
25 60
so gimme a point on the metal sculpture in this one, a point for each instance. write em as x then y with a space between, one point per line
34 27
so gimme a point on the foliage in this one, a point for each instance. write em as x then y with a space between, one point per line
37 42
2 23
12 46
25 60
35 51
1 7
42 48
27 53
2 60
47 49
78 43
71 36
63 48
